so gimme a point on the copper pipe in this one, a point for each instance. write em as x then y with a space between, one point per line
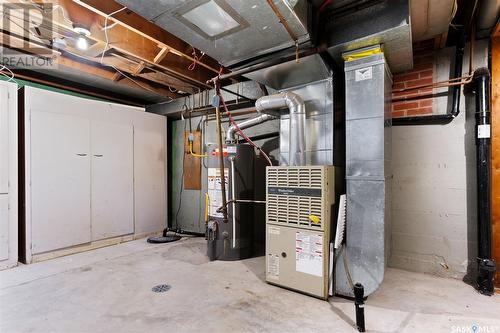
282 20
221 158
447 83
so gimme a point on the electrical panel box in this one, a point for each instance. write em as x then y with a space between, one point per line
299 207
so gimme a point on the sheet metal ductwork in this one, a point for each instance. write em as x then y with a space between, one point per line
297 122
231 132
230 31
368 85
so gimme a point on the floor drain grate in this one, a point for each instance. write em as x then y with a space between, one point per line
161 288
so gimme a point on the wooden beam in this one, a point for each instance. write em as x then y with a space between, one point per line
52 83
19 43
161 55
136 45
151 74
495 151
139 68
117 76
138 24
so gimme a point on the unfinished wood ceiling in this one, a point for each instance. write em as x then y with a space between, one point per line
122 46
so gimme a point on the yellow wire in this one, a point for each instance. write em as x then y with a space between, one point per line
193 154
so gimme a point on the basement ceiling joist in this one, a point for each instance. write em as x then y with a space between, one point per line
85 66
138 49
149 30
137 45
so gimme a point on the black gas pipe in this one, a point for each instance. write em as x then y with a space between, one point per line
486 266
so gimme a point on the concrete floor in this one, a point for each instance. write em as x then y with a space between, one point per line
109 290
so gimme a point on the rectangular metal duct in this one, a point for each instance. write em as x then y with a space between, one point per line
368 172
229 31
386 23
292 73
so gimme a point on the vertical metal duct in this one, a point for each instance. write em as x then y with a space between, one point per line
368 173
297 122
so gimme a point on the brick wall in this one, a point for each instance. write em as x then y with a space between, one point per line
415 102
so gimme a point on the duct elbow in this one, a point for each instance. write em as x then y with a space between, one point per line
231 132
297 110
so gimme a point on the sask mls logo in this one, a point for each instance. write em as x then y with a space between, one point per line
27 34
475 328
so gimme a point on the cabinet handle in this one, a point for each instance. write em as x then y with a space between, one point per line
98 155
81 154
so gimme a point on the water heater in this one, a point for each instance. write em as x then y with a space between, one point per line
234 239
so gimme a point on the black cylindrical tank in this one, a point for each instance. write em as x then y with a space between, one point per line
232 240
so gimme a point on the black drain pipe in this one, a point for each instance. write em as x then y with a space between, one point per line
442 119
486 266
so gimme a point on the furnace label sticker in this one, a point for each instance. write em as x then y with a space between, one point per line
363 74
214 191
273 266
309 253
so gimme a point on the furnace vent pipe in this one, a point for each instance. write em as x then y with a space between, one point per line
295 104
231 132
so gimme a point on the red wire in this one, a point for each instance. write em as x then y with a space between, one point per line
325 4
196 60
247 139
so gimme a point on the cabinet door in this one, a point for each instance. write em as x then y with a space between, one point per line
112 180
60 181
4 140
149 177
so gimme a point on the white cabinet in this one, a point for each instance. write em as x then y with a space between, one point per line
112 180
150 190
8 175
4 140
60 180
95 173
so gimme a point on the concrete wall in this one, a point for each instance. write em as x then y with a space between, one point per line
434 188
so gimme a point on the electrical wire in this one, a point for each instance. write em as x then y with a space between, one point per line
192 66
124 75
105 28
106 31
346 268
193 154
182 184
247 139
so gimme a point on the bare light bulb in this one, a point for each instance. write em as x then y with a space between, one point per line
82 43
